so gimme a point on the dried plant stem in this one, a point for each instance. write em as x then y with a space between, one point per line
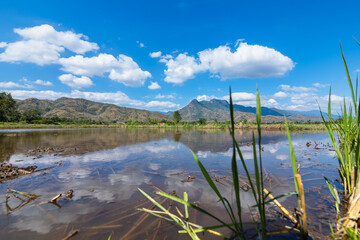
304 228
283 209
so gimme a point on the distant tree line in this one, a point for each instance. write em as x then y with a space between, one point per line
9 113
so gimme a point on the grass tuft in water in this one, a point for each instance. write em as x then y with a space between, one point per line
260 194
345 139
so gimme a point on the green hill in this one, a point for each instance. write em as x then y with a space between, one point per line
81 108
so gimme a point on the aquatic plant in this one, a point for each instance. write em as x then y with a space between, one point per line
302 219
260 194
345 139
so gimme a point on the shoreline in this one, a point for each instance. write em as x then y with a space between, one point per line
277 126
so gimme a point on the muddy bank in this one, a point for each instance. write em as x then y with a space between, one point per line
8 171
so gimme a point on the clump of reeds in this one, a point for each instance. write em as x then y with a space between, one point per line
260 194
345 138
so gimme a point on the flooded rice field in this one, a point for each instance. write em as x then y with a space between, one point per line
98 173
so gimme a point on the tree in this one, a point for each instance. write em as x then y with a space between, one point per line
202 121
8 108
31 115
177 116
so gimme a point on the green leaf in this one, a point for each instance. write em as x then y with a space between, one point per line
292 156
348 78
333 193
179 200
234 167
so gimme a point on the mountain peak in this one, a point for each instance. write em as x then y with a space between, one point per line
218 100
194 102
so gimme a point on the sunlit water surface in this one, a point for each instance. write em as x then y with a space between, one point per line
105 168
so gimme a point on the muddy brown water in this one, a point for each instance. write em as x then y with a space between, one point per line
104 168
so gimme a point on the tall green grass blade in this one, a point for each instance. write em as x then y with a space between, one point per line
199 230
332 231
213 186
261 193
356 41
234 167
207 176
155 214
279 196
186 199
159 206
256 167
334 194
351 233
172 216
245 168
203 229
348 78
329 106
179 200
292 156
356 89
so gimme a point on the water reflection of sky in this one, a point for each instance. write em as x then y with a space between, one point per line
100 178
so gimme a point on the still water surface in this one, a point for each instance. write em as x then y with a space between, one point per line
104 168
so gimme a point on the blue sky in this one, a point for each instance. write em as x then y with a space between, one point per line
159 55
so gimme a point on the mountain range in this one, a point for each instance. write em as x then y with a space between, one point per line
219 110
210 110
81 108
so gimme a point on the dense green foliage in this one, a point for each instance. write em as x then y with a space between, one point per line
177 116
31 115
202 121
8 108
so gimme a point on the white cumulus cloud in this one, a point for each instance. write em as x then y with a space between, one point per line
241 96
70 40
154 85
75 82
247 61
117 98
280 94
140 44
31 51
160 96
122 69
12 85
43 44
270 103
205 98
162 105
181 68
43 83
155 54
319 85
297 89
